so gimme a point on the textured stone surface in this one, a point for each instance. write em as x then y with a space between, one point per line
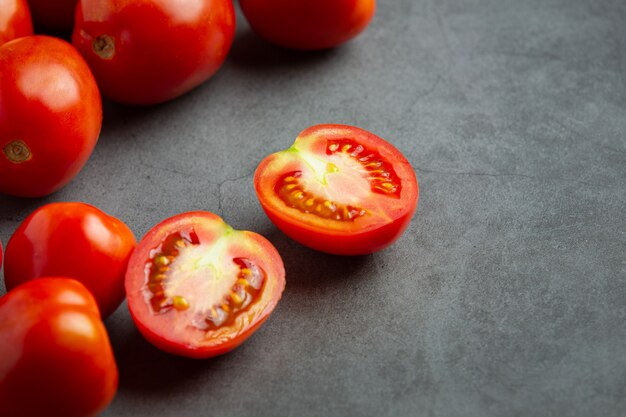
506 296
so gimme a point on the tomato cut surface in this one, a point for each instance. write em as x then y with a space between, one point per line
198 288
338 189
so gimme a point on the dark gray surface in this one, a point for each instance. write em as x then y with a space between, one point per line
507 294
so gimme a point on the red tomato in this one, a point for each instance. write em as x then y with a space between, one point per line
150 51
198 288
56 15
74 240
15 20
338 189
308 24
56 355
50 115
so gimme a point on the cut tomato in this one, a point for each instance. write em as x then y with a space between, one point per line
198 288
338 189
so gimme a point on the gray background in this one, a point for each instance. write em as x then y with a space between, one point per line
507 294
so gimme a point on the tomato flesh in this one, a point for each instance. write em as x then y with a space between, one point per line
339 189
198 288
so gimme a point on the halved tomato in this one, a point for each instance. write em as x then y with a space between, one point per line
198 288
338 189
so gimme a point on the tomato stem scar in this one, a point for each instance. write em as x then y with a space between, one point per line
17 152
104 46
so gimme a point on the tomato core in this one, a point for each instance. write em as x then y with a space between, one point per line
17 152
179 271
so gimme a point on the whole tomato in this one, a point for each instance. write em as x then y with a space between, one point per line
15 20
50 115
57 15
73 240
308 24
150 51
56 355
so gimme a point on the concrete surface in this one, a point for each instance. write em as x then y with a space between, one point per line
506 296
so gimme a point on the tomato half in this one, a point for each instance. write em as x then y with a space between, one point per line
198 288
50 115
56 355
74 240
57 15
308 24
338 189
15 20
150 51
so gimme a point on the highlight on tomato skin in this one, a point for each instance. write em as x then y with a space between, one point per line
56 355
198 288
338 189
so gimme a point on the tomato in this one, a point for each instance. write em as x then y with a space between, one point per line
50 115
338 189
150 51
57 15
308 24
56 355
15 20
74 240
198 288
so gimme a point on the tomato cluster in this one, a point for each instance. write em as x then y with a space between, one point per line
195 286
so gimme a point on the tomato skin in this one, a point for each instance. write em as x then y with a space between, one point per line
57 15
162 48
49 103
56 355
74 240
15 20
159 329
357 238
308 24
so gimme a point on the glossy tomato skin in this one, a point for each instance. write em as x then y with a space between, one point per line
74 240
50 115
171 331
15 20
57 15
381 227
56 356
151 51
308 24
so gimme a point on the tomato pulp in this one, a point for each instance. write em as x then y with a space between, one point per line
150 51
56 355
15 20
74 240
198 288
50 115
308 24
338 189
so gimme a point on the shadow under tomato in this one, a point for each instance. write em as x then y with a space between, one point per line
250 51
306 267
